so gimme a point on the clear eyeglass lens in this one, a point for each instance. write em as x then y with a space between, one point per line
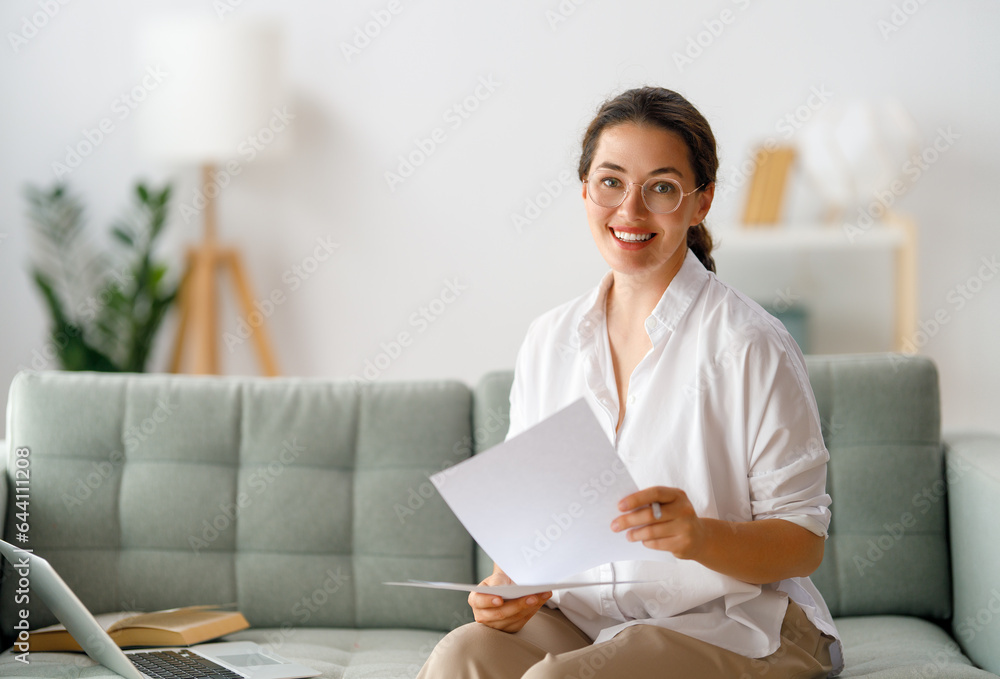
660 194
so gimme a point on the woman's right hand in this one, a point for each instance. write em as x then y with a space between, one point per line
506 615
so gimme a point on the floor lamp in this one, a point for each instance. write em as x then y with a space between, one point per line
222 84
198 299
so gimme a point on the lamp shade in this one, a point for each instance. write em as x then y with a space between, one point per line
222 84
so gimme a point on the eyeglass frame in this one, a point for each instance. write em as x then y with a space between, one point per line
642 192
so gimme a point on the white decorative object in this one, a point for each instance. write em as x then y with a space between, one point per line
853 151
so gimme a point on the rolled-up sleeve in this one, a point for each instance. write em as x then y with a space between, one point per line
788 459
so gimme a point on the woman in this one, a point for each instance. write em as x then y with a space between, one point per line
707 401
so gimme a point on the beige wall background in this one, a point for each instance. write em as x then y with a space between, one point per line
453 255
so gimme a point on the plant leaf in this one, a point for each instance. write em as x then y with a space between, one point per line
122 235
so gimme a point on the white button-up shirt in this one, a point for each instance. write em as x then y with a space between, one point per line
721 407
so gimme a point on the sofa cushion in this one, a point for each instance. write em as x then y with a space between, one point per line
880 647
337 653
295 498
888 546
896 647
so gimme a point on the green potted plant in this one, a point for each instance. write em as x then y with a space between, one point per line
106 308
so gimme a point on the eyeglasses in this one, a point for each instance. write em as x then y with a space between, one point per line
661 195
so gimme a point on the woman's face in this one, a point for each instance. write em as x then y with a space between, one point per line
635 153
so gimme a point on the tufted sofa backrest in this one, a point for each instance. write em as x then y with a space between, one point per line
888 546
294 498
297 498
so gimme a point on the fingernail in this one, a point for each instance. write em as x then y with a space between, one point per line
614 525
497 601
531 600
622 505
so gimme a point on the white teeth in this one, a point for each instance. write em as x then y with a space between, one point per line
632 237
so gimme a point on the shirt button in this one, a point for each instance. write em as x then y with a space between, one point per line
650 324
631 400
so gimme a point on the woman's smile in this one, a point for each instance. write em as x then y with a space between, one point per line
630 238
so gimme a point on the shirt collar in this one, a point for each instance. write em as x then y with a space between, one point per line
667 313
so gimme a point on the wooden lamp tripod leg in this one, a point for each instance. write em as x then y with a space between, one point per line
198 304
258 331
184 309
199 317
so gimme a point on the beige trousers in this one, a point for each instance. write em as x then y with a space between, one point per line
549 646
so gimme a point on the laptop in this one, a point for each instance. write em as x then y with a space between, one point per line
222 660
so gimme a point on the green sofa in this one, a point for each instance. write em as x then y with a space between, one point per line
297 498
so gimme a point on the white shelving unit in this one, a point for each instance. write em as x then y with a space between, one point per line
858 288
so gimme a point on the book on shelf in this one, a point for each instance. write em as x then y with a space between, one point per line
173 627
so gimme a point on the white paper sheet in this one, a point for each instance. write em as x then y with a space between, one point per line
542 503
506 591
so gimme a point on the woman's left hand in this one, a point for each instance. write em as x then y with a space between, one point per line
678 529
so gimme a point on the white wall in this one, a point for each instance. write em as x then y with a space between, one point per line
452 219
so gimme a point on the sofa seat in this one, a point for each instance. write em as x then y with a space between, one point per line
901 647
878 647
337 653
350 653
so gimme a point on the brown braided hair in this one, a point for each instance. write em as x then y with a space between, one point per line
669 111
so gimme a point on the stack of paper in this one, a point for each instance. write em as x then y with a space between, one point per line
542 503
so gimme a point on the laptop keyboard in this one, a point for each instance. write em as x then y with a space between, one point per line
179 665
